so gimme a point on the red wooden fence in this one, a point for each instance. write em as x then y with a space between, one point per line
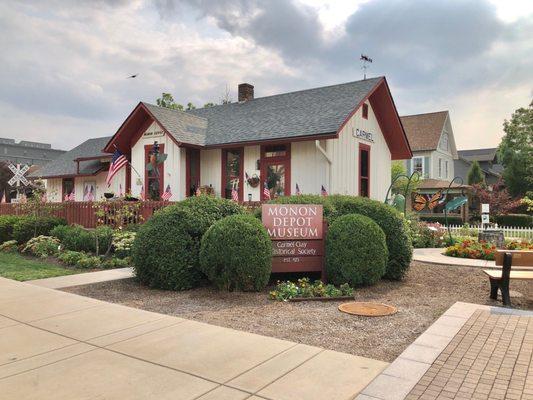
83 212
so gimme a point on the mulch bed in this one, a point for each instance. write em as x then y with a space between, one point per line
421 298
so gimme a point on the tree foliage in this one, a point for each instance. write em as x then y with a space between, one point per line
499 199
400 186
516 151
475 174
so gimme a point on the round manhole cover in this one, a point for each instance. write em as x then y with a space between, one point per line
368 309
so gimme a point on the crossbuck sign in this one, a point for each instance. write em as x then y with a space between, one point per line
18 175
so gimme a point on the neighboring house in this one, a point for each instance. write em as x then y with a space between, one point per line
487 159
433 144
341 137
27 153
81 167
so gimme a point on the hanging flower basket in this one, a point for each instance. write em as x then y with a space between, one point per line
253 181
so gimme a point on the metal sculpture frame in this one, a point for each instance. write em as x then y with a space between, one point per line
458 178
414 177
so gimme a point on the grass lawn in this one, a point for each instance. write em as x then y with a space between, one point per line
19 268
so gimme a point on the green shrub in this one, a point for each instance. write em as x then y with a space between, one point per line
77 238
89 262
70 257
115 262
236 253
10 246
392 223
452 219
206 210
7 223
29 227
356 251
42 246
165 253
515 220
166 249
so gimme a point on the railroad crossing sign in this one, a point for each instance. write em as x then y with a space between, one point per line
18 175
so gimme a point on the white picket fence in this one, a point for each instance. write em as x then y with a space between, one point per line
509 232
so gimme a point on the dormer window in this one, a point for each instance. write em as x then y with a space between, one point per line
365 111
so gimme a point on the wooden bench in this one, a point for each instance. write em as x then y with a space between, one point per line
499 279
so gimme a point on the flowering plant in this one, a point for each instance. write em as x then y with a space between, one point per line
123 242
472 249
42 246
303 288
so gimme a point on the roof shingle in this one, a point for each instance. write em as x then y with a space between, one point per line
424 130
65 165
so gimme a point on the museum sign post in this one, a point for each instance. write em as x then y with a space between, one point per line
297 232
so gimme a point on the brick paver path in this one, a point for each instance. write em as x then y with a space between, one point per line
490 358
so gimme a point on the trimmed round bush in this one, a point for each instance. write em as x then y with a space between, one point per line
389 220
356 252
206 210
236 254
29 227
165 253
166 249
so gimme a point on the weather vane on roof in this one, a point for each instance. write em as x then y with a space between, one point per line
365 61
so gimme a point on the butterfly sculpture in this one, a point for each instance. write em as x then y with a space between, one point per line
422 201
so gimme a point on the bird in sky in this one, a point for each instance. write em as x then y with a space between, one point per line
132 76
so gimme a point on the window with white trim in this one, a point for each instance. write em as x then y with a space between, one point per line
418 165
446 168
440 167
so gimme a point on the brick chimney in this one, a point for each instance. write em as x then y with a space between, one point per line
246 92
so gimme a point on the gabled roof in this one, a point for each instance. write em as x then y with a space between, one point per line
424 130
479 154
184 127
306 114
288 115
65 165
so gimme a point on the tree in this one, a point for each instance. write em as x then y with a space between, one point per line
499 199
475 174
166 100
210 104
400 186
516 151
190 106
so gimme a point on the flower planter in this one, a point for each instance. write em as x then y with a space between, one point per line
299 299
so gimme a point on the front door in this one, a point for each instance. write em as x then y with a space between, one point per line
232 172
276 170
192 172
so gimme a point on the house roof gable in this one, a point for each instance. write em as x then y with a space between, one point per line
424 130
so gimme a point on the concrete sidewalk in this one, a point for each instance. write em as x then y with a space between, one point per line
58 345
84 279
436 256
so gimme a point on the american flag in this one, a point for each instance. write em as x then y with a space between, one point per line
323 191
266 191
117 161
298 190
167 195
234 194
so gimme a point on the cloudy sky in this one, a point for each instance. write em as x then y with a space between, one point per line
64 63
